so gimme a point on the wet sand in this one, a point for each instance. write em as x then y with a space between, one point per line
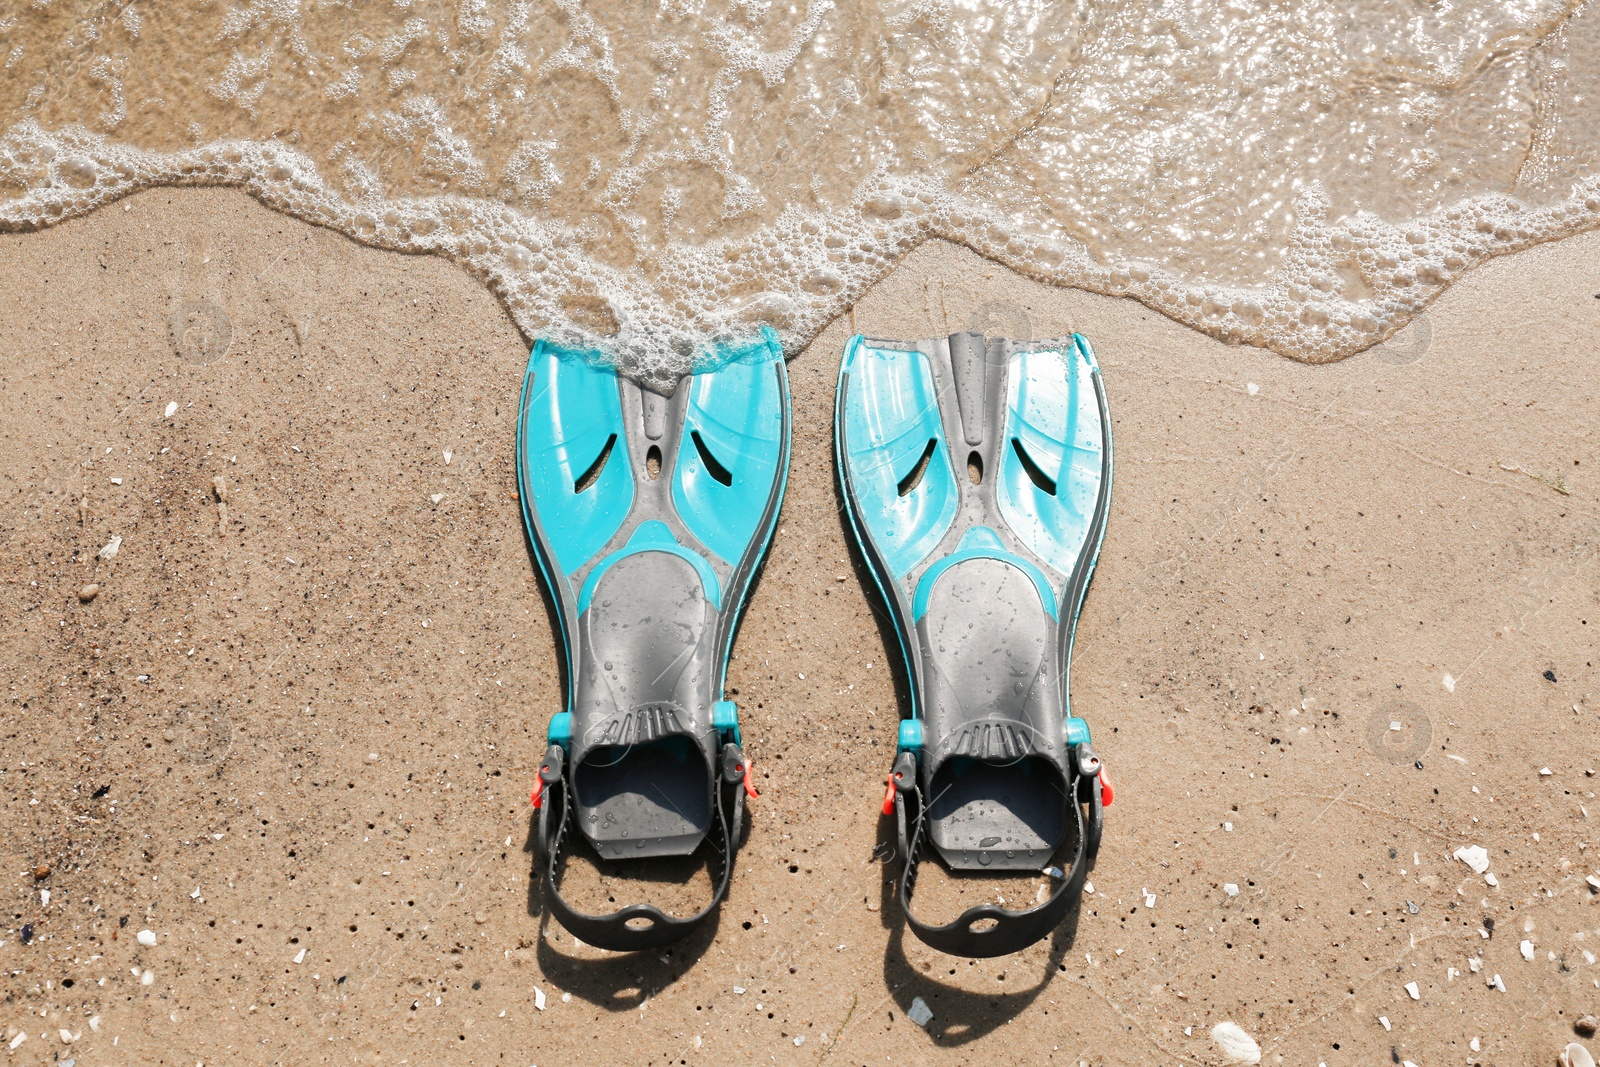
296 742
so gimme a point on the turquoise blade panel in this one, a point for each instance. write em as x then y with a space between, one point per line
653 535
891 413
1053 413
980 542
737 411
573 410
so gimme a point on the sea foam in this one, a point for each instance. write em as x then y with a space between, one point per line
649 182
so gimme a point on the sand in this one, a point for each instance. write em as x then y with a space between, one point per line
295 741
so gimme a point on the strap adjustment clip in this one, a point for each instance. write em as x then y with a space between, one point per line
736 768
901 778
550 773
1089 766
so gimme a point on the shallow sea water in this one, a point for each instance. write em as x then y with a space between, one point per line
649 180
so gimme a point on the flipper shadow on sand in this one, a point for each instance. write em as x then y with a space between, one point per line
960 1016
621 981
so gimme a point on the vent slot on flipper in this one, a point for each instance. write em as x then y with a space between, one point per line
914 475
722 474
639 801
1042 481
587 479
989 816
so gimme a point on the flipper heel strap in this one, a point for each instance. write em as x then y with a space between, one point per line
636 926
987 930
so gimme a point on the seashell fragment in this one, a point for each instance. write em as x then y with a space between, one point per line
1236 1045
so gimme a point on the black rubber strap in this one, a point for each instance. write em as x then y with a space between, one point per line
1003 931
637 926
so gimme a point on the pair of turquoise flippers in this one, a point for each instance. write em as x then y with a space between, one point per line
976 475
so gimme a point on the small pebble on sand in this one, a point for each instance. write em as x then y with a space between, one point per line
88 592
1586 1026
147 938
172 409
41 871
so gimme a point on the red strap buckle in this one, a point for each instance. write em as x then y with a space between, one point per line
1107 793
888 794
749 787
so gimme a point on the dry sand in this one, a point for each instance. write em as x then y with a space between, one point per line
307 733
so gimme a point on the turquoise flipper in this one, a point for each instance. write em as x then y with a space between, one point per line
649 516
977 477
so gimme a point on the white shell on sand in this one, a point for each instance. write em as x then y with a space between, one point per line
1474 856
1575 1055
1236 1045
